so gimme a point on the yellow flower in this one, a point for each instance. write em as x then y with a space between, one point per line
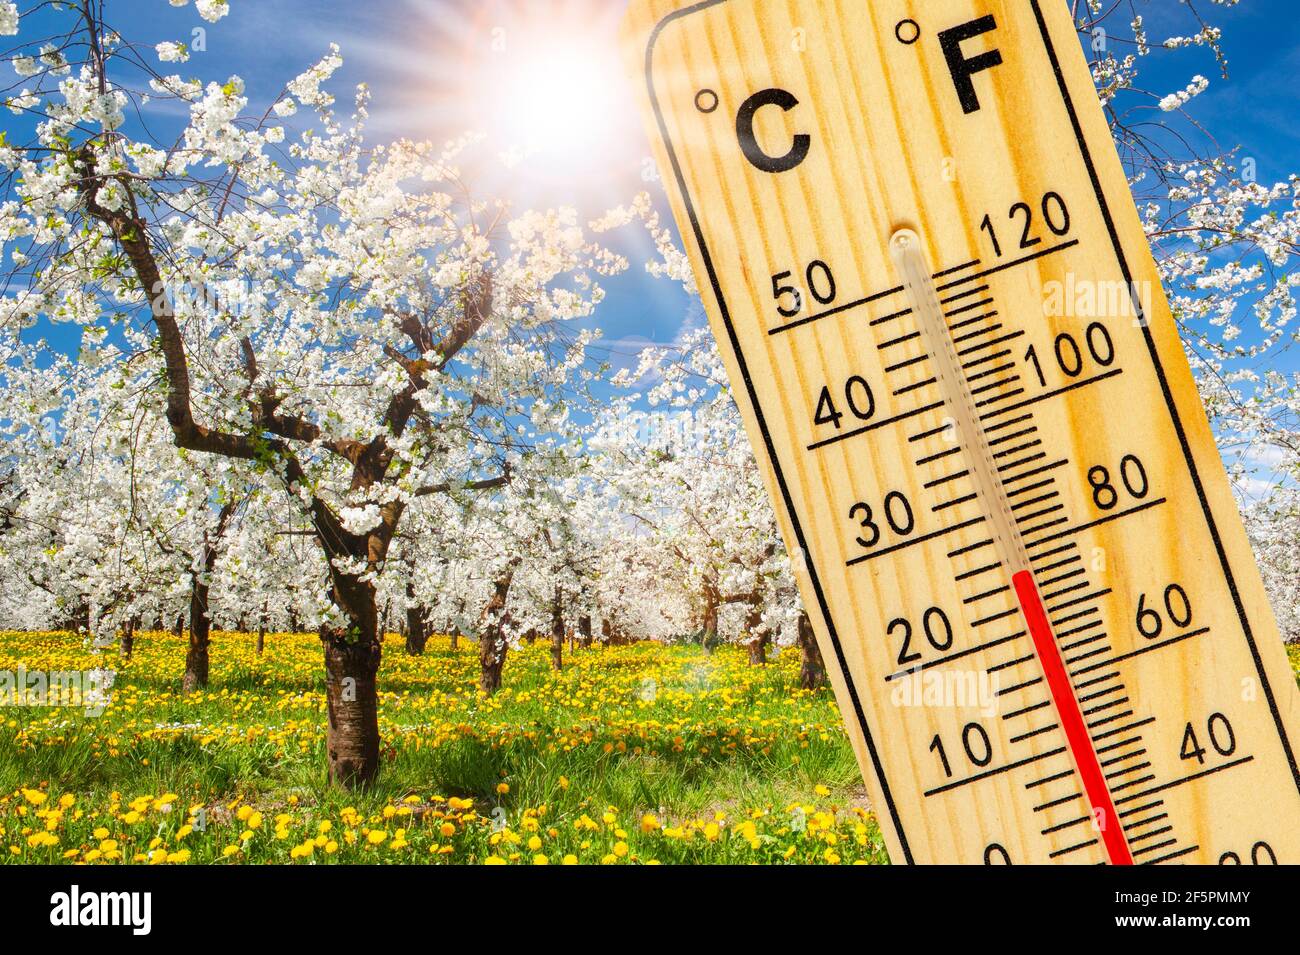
229 851
570 859
254 820
66 800
377 836
494 860
620 849
447 830
821 790
34 796
100 833
503 788
711 831
534 843
649 823
541 860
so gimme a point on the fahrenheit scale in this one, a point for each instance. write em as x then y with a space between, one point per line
948 339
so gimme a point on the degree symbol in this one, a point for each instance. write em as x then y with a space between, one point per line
907 31
706 101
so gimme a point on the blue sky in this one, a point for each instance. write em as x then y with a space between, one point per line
438 67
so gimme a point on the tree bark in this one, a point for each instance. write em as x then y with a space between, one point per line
416 633
261 638
557 634
352 733
455 639
179 629
758 636
417 627
584 630
196 657
709 628
812 671
492 641
126 642
352 659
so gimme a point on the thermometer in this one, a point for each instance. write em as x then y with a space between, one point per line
947 337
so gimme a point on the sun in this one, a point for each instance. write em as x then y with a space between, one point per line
544 83
556 101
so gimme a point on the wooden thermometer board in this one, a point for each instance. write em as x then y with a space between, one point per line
948 339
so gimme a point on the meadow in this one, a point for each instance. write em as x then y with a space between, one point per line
636 754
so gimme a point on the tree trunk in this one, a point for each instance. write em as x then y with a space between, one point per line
261 628
757 635
584 630
352 733
531 636
351 663
196 657
606 632
492 647
179 629
557 635
455 639
126 643
812 671
492 641
416 633
709 629
417 627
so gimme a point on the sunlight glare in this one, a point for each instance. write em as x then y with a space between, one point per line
559 103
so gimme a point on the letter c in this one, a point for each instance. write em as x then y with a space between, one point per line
749 143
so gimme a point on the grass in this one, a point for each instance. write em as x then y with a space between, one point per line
630 754
646 753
